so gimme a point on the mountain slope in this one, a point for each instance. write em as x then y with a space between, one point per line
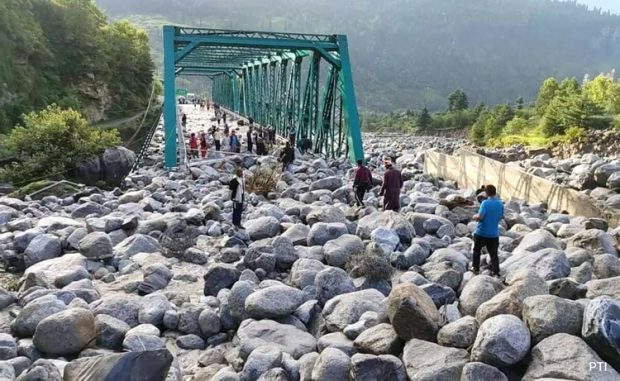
411 53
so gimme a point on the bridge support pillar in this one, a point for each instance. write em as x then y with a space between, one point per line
170 104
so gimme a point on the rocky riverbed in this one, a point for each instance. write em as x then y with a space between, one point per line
154 280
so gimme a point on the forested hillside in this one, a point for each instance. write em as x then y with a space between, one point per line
65 52
412 53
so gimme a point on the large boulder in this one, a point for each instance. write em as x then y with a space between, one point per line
65 332
458 334
379 340
388 220
273 302
220 276
331 282
262 227
567 357
478 290
502 340
604 287
322 232
330 183
34 312
601 328
603 172
346 309
377 368
304 272
131 366
546 315
548 263
338 251
479 371
597 241
41 248
96 245
523 284
137 243
536 241
289 339
332 364
412 312
426 361
111 167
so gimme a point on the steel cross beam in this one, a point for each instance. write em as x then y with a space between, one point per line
275 78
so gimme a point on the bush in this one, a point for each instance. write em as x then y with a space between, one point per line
262 181
50 142
372 266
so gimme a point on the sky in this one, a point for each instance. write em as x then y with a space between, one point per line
612 5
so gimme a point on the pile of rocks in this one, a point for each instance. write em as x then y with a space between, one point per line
154 279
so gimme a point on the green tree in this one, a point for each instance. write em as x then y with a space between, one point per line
516 126
519 103
424 120
50 141
546 94
457 101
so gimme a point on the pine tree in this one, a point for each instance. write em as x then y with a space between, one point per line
457 101
424 119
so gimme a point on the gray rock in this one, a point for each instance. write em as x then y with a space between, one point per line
42 369
478 290
255 333
65 332
321 232
604 287
156 277
379 340
148 365
336 340
190 342
284 252
96 245
388 220
332 282
236 299
377 368
137 243
346 309
220 276
26 322
297 233
606 266
548 263
338 251
458 334
89 208
8 347
426 361
536 241
564 356
601 328
441 295
142 342
153 308
42 247
330 183
304 272
546 315
414 255
260 361
262 227
502 340
332 364
273 302
122 307
110 331
412 313
209 322
478 371
594 240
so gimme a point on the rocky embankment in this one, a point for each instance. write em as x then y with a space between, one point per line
154 281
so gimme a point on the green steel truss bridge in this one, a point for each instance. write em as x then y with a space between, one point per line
279 79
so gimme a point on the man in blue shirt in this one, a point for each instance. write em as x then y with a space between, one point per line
487 232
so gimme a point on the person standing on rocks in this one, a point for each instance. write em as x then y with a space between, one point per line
217 138
203 145
287 157
249 138
234 141
487 232
362 182
392 183
193 146
237 195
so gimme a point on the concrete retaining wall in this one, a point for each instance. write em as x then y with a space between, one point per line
471 170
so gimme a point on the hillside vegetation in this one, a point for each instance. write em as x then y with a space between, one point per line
408 54
65 52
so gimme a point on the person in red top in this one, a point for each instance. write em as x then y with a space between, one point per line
193 146
362 182
203 145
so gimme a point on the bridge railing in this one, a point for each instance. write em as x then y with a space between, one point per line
147 142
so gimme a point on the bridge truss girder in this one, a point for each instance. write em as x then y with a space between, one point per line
279 79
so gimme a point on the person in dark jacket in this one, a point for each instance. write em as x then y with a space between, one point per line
362 182
237 196
249 138
287 157
392 183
